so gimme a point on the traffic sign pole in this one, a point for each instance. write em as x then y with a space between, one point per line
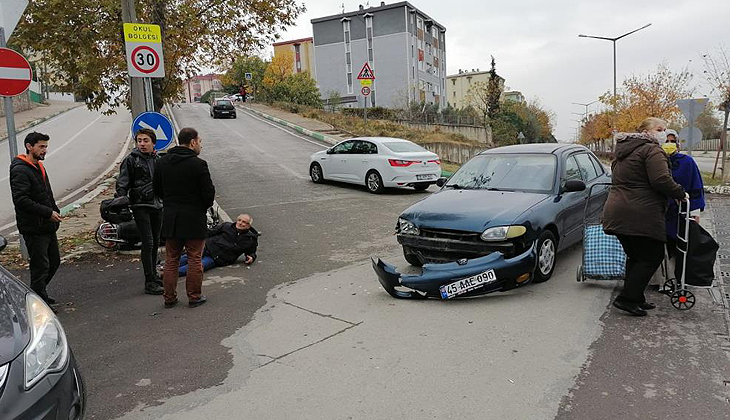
9 111
149 99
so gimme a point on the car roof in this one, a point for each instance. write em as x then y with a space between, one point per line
551 148
382 139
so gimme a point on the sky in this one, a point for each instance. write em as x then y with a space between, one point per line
537 49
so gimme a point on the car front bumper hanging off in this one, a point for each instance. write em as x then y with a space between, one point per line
433 276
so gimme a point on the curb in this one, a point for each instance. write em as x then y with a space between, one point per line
720 189
39 121
297 128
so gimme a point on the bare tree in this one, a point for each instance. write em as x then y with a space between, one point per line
717 73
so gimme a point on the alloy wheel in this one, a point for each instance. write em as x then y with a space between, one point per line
546 257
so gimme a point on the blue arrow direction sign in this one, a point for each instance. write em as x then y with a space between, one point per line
157 123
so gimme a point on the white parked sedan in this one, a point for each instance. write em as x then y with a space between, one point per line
378 163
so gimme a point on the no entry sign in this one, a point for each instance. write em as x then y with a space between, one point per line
15 73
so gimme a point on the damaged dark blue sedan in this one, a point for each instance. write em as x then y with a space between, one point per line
497 223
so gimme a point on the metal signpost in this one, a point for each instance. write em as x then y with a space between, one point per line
143 44
691 135
366 77
14 69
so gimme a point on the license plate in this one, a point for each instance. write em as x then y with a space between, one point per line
422 177
225 112
468 284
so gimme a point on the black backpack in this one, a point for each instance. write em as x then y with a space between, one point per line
115 210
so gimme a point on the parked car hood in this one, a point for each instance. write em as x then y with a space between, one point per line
470 210
14 331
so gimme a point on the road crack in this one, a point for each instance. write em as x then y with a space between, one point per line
276 359
322 315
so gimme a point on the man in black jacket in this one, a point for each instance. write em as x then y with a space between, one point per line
135 181
36 212
226 243
182 181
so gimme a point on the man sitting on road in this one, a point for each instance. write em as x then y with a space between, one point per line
226 243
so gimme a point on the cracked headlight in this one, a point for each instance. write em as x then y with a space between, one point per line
48 349
407 228
501 233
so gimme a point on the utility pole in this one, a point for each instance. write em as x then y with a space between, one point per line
136 84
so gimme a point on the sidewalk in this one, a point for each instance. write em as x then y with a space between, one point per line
35 116
329 133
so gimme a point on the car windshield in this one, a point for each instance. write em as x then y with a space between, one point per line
223 102
403 147
506 172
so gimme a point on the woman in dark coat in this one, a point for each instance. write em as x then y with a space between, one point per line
636 205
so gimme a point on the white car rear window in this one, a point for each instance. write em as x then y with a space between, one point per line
403 147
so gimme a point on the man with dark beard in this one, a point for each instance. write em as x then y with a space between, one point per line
36 212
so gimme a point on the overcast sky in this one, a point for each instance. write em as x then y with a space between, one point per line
538 52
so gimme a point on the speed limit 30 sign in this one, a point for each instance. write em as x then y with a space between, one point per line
144 50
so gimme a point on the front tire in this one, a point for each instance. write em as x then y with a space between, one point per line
315 172
546 253
374 182
411 258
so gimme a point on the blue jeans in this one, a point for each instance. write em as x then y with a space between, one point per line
207 260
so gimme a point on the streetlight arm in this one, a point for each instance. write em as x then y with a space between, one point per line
597 37
635 30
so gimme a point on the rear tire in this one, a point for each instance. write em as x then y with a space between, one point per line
412 259
546 253
374 182
315 172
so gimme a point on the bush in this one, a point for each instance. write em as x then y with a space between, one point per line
376 113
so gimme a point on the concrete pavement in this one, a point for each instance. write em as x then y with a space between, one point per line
37 115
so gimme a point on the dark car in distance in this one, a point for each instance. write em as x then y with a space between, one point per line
222 108
498 222
39 378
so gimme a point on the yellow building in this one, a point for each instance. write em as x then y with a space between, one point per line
458 85
302 52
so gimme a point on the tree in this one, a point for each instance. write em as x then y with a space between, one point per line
709 123
333 99
478 97
91 63
717 73
494 91
279 68
235 77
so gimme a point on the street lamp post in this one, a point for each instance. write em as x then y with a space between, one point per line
613 40
614 48
585 105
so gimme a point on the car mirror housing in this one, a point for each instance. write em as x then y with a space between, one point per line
3 243
574 185
330 151
441 182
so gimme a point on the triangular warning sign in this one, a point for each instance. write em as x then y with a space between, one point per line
366 73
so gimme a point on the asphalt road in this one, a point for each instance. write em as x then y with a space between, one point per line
307 333
83 144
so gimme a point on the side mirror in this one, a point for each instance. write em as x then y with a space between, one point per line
330 151
441 182
3 243
574 185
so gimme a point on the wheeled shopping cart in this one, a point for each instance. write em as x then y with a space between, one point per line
603 256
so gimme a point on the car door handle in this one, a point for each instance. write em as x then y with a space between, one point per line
364 161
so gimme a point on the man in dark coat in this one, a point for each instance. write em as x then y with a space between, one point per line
36 212
634 211
182 181
226 243
135 181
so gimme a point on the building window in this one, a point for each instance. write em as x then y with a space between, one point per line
298 57
369 36
348 58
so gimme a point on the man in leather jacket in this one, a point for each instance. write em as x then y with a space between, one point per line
135 181
226 243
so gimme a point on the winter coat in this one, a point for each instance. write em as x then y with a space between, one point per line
135 179
226 243
687 174
642 182
32 197
182 180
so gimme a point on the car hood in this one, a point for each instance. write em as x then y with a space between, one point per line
470 210
14 331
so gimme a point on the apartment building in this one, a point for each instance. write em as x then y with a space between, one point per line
458 86
302 53
196 86
404 46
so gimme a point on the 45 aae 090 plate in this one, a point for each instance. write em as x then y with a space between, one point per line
462 286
